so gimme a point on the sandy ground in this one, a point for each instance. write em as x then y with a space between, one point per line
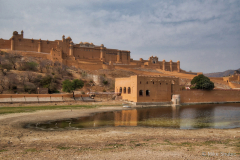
17 142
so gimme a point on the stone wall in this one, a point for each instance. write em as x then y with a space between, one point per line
15 98
5 44
192 96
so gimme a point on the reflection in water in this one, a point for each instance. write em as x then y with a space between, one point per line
184 117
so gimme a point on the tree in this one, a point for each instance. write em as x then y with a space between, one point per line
49 82
202 82
77 83
69 86
13 58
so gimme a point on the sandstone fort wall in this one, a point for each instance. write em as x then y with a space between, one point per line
5 44
191 96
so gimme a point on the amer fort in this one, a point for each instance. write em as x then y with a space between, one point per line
162 85
126 109
84 55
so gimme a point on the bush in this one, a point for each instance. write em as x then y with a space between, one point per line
46 80
77 83
30 88
69 86
6 66
104 90
105 82
202 82
29 66
14 87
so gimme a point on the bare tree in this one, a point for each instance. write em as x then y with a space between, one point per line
2 82
13 58
30 76
23 79
11 80
44 64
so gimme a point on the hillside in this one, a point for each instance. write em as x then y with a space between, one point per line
19 74
221 74
24 74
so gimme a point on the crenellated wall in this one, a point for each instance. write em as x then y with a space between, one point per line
65 49
6 44
198 96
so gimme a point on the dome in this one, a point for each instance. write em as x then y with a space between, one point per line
81 42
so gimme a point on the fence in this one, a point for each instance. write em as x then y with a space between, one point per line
14 98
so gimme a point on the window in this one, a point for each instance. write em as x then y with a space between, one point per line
140 93
147 82
153 82
166 83
120 90
140 82
147 93
124 90
160 83
129 90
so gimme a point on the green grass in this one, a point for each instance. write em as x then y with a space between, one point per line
63 148
31 150
7 110
3 150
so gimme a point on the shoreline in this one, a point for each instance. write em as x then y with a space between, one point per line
109 142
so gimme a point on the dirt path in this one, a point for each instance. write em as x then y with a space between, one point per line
110 142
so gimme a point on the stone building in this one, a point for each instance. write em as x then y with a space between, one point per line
84 54
139 88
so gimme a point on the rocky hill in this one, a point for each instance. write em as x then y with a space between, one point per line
221 74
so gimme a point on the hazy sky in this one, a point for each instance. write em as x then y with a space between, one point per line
203 34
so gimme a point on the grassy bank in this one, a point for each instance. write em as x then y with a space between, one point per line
7 110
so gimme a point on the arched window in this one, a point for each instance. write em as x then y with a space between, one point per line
129 90
147 82
124 90
120 90
140 82
141 93
153 82
160 83
147 93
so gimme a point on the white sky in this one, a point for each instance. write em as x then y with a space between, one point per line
203 34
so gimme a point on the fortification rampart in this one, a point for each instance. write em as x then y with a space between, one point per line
196 96
66 51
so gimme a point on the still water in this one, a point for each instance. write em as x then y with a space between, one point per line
222 116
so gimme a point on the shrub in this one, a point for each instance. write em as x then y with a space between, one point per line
202 82
7 66
14 87
69 86
46 80
30 88
104 90
29 66
77 83
105 82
